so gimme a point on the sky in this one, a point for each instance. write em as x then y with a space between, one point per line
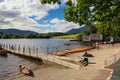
32 15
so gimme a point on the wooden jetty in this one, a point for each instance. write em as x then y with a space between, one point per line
47 57
3 52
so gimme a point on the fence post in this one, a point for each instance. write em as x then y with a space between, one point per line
47 50
6 45
47 53
33 49
36 54
9 47
15 48
0 46
56 49
24 50
18 48
29 49
12 47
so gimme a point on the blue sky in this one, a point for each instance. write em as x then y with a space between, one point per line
32 15
55 13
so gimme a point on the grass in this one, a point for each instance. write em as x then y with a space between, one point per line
71 36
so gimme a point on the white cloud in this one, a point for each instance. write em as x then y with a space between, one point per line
62 25
44 25
46 31
15 13
57 21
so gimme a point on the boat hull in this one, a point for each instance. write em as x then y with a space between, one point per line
3 52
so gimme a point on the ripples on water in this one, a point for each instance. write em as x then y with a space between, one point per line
43 45
9 65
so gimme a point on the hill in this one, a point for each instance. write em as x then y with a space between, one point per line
16 31
75 31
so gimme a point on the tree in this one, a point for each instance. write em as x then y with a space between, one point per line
104 13
50 1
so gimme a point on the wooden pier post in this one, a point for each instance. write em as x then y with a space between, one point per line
47 50
14 48
36 55
18 48
6 45
29 51
9 47
33 51
24 50
0 46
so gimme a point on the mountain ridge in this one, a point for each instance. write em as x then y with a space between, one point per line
17 31
76 31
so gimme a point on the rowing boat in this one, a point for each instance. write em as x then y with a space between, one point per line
24 69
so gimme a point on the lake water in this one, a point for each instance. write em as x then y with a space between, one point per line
43 45
9 64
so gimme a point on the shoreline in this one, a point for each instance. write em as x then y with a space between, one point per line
95 66
45 65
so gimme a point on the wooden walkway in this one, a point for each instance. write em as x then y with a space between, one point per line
47 57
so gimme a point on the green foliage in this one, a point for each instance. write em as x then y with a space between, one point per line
79 37
50 1
40 35
82 12
105 13
68 36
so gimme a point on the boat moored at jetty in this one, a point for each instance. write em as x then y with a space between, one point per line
3 52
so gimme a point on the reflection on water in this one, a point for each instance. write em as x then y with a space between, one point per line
44 45
9 65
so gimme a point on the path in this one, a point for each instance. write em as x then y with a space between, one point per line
94 71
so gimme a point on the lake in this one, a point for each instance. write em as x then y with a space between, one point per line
43 45
9 64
